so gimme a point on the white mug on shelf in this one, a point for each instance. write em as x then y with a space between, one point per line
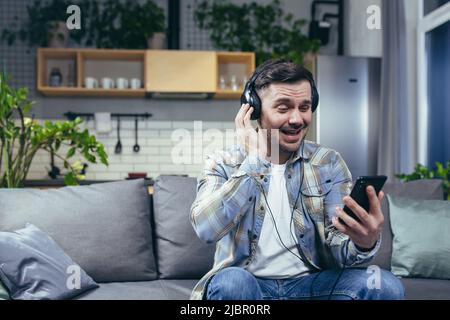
135 83
90 83
107 83
122 83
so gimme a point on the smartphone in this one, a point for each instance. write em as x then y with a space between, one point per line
359 193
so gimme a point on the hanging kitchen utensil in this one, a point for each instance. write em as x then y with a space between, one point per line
118 148
136 146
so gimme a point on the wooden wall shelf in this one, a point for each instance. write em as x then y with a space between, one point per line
159 71
89 63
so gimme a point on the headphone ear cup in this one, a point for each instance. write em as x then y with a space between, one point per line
315 98
256 104
245 96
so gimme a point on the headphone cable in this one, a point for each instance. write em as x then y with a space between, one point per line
292 214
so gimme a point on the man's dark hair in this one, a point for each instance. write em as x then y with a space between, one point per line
280 70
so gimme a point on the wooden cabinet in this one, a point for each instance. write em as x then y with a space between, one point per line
181 71
159 71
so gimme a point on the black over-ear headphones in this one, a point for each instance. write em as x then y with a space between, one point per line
250 96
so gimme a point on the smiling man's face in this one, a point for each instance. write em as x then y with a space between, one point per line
287 107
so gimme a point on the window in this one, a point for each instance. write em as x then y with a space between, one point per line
433 79
437 45
430 5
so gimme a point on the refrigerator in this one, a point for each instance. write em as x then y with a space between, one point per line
347 116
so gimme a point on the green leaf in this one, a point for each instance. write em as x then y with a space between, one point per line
9 100
70 180
57 145
440 169
71 152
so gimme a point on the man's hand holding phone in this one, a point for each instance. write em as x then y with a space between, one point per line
254 141
365 232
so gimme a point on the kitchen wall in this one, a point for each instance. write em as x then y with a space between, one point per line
359 41
20 62
163 145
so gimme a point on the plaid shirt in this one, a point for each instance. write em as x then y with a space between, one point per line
229 208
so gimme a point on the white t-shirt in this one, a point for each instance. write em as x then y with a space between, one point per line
272 260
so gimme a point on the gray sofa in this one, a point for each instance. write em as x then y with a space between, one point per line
138 246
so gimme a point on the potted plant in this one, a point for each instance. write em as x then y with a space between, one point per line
124 24
153 22
45 26
22 137
422 172
263 29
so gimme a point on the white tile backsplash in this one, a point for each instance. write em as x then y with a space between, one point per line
159 142
183 124
159 125
155 156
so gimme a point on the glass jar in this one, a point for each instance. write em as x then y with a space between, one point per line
55 78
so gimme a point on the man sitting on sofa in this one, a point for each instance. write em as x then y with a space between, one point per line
273 211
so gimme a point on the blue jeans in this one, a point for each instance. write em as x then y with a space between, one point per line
235 283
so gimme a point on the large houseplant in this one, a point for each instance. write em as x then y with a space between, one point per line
263 29
22 137
422 172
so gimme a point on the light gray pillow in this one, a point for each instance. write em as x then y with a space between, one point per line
427 189
104 227
421 246
34 267
181 254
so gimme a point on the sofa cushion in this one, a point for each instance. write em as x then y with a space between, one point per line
34 267
142 290
418 189
426 289
178 289
105 227
136 290
180 253
421 244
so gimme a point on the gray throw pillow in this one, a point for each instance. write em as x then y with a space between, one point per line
426 189
421 242
104 227
181 254
33 266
